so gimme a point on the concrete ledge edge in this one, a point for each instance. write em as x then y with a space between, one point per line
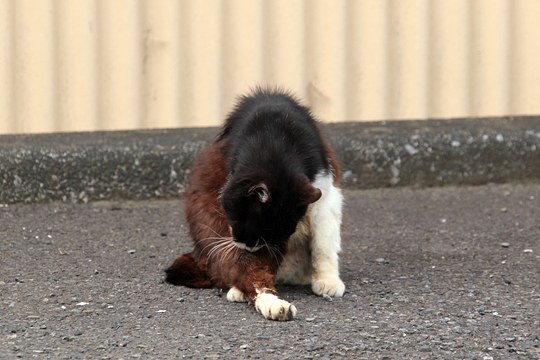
81 167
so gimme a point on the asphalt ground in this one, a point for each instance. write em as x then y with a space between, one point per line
436 273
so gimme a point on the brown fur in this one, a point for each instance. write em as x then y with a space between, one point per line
334 162
249 272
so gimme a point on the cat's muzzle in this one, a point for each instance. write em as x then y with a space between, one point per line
247 248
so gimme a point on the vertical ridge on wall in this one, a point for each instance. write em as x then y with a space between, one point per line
101 65
366 60
160 73
448 87
283 55
524 57
199 62
34 66
119 66
76 88
489 75
7 116
324 66
408 49
242 49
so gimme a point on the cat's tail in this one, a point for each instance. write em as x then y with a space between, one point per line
185 271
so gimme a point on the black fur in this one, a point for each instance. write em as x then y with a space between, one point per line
274 144
272 127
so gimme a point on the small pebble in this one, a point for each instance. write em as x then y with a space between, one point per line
411 149
504 209
244 346
527 251
310 319
381 261
505 245
131 251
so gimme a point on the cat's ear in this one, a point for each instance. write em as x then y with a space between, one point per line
261 191
307 193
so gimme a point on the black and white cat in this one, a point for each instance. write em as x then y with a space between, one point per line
264 206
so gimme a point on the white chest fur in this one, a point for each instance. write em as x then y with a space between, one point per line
312 254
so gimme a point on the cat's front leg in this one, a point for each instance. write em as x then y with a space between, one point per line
258 287
325 219
266 303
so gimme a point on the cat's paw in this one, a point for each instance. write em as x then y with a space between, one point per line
235 295
333 287
272 307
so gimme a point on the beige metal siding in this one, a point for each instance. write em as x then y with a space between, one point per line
98 64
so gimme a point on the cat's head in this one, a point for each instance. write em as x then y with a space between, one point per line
261 212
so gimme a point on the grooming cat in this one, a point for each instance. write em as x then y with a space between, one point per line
264 206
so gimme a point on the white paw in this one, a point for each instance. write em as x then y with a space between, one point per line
272 307
328 286
235 295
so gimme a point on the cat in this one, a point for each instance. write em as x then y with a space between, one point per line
264 205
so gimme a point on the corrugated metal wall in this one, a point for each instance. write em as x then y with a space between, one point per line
123 64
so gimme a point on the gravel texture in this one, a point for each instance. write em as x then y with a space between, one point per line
440 273
81 167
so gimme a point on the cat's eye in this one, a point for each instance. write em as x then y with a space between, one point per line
261 191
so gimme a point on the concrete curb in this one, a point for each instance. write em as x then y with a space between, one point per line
155 164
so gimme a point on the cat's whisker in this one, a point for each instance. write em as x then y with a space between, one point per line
222 251
215 244
276 249
212 230
216 239
219 247
278 255
219 212
276 259
226 252
265 244
271 251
